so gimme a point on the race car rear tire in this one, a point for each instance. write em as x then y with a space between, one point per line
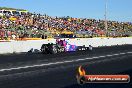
54 49
43 49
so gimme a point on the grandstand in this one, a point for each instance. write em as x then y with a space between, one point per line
19 23
11 11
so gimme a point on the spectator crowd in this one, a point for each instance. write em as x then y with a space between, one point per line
32 25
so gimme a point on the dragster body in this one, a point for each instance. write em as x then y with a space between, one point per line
62 46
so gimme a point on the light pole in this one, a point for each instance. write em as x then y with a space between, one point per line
106 25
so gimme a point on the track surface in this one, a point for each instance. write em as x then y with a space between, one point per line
63 75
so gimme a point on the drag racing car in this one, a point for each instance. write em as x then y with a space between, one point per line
62 46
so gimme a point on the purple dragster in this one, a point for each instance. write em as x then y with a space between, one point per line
66 45
61 46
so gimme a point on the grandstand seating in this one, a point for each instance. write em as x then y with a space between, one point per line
32 25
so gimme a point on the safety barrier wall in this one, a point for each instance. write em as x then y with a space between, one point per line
25 46
96 42
22 46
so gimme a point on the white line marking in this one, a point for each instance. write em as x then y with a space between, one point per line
108 55
115 54
122 53
55 63
102 56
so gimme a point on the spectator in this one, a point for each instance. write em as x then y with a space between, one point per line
34 25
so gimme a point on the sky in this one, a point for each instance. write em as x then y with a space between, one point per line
118 10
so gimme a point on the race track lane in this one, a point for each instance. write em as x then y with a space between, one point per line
15 60
63 76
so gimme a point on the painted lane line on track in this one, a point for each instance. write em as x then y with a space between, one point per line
63 62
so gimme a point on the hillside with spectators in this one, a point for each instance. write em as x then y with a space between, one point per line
19 23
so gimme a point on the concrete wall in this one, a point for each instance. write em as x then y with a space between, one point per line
95 42
22 46
25 46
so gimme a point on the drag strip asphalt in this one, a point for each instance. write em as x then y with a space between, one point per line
30 59
65 76
65 61
59 71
